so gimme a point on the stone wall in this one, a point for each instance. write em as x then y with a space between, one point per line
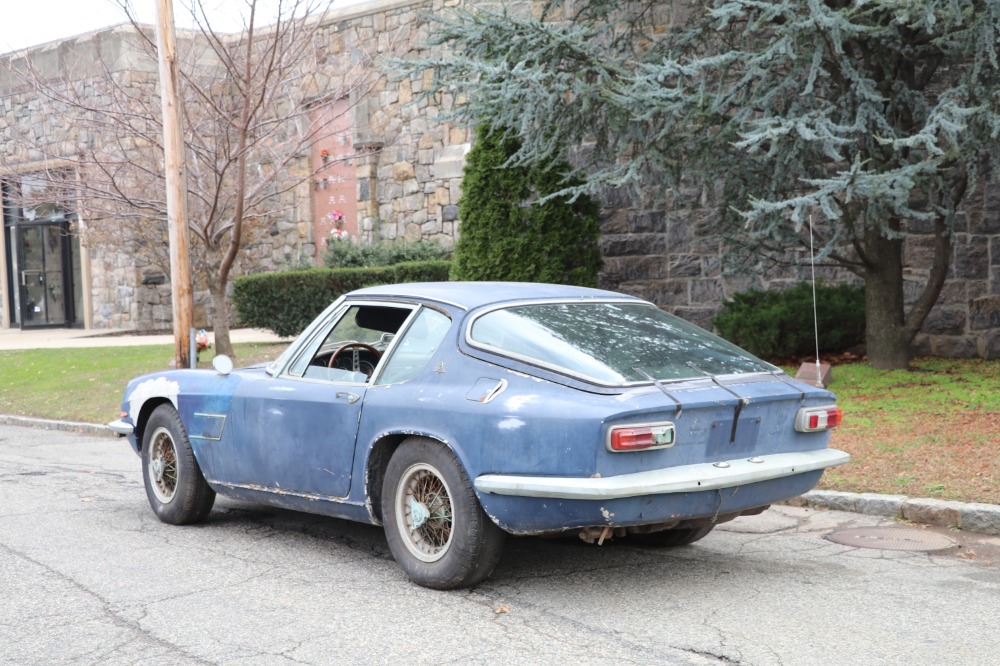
965 322
659 256
409 161
126 271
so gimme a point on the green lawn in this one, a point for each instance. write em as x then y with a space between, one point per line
86 384
931 432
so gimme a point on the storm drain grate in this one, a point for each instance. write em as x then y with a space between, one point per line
892 538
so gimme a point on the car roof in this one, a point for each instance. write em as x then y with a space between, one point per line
471 295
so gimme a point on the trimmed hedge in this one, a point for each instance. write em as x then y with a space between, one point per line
778 325
348 254
286 302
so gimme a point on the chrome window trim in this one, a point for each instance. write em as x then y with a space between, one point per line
414 299
302 340
396 339
331 320
222 428
471 342
386 357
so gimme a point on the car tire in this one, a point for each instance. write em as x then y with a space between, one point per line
176 489
675 537
437 531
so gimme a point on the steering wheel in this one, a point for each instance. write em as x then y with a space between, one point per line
355 360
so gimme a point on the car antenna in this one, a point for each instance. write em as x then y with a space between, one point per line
812 264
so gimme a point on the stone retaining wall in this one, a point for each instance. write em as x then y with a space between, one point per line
660 257
409 166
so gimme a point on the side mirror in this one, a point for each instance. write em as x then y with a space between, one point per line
222 364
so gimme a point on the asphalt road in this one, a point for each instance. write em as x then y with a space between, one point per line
89 576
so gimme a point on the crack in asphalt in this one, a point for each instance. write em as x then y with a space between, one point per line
107 610
489 596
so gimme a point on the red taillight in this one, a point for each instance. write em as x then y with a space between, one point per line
638 437
814 419
630 439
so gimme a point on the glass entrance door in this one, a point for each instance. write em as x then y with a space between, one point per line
41 279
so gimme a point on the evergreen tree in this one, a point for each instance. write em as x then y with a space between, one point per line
872 117
511 231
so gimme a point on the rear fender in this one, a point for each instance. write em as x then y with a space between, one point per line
379 454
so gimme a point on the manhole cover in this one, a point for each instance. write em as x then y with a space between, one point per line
892 538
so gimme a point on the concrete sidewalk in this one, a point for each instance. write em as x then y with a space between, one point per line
63 338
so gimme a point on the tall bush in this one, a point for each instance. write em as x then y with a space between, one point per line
505 234
778 325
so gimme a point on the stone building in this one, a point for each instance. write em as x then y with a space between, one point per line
386 166
395 168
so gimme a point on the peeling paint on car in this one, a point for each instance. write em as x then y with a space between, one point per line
511 423
517 402
159 387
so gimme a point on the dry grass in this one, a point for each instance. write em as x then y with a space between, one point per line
933 432
956 456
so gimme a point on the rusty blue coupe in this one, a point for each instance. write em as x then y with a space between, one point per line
454 414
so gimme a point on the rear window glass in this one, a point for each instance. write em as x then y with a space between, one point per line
610 343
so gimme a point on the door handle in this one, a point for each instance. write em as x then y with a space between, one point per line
351 397
26 273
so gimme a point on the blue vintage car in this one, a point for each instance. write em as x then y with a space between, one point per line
454 414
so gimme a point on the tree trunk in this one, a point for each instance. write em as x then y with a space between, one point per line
886 336
220 320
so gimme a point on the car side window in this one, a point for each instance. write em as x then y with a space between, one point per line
352 348
415 349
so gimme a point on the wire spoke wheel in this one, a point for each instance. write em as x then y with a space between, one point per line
163 471
434 525
175 487
425 512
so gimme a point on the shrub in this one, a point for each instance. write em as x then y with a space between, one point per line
286 302
779 324
506 235
347 254
436 270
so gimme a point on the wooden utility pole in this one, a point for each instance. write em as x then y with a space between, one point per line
173 157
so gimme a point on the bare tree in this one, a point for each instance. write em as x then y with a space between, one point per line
249 104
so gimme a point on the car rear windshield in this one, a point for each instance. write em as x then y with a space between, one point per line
610 342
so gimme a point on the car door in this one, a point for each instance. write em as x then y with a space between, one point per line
296 432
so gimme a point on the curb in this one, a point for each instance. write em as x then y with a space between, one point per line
48 424
970 516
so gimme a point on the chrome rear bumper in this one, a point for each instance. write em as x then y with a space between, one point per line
682 479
